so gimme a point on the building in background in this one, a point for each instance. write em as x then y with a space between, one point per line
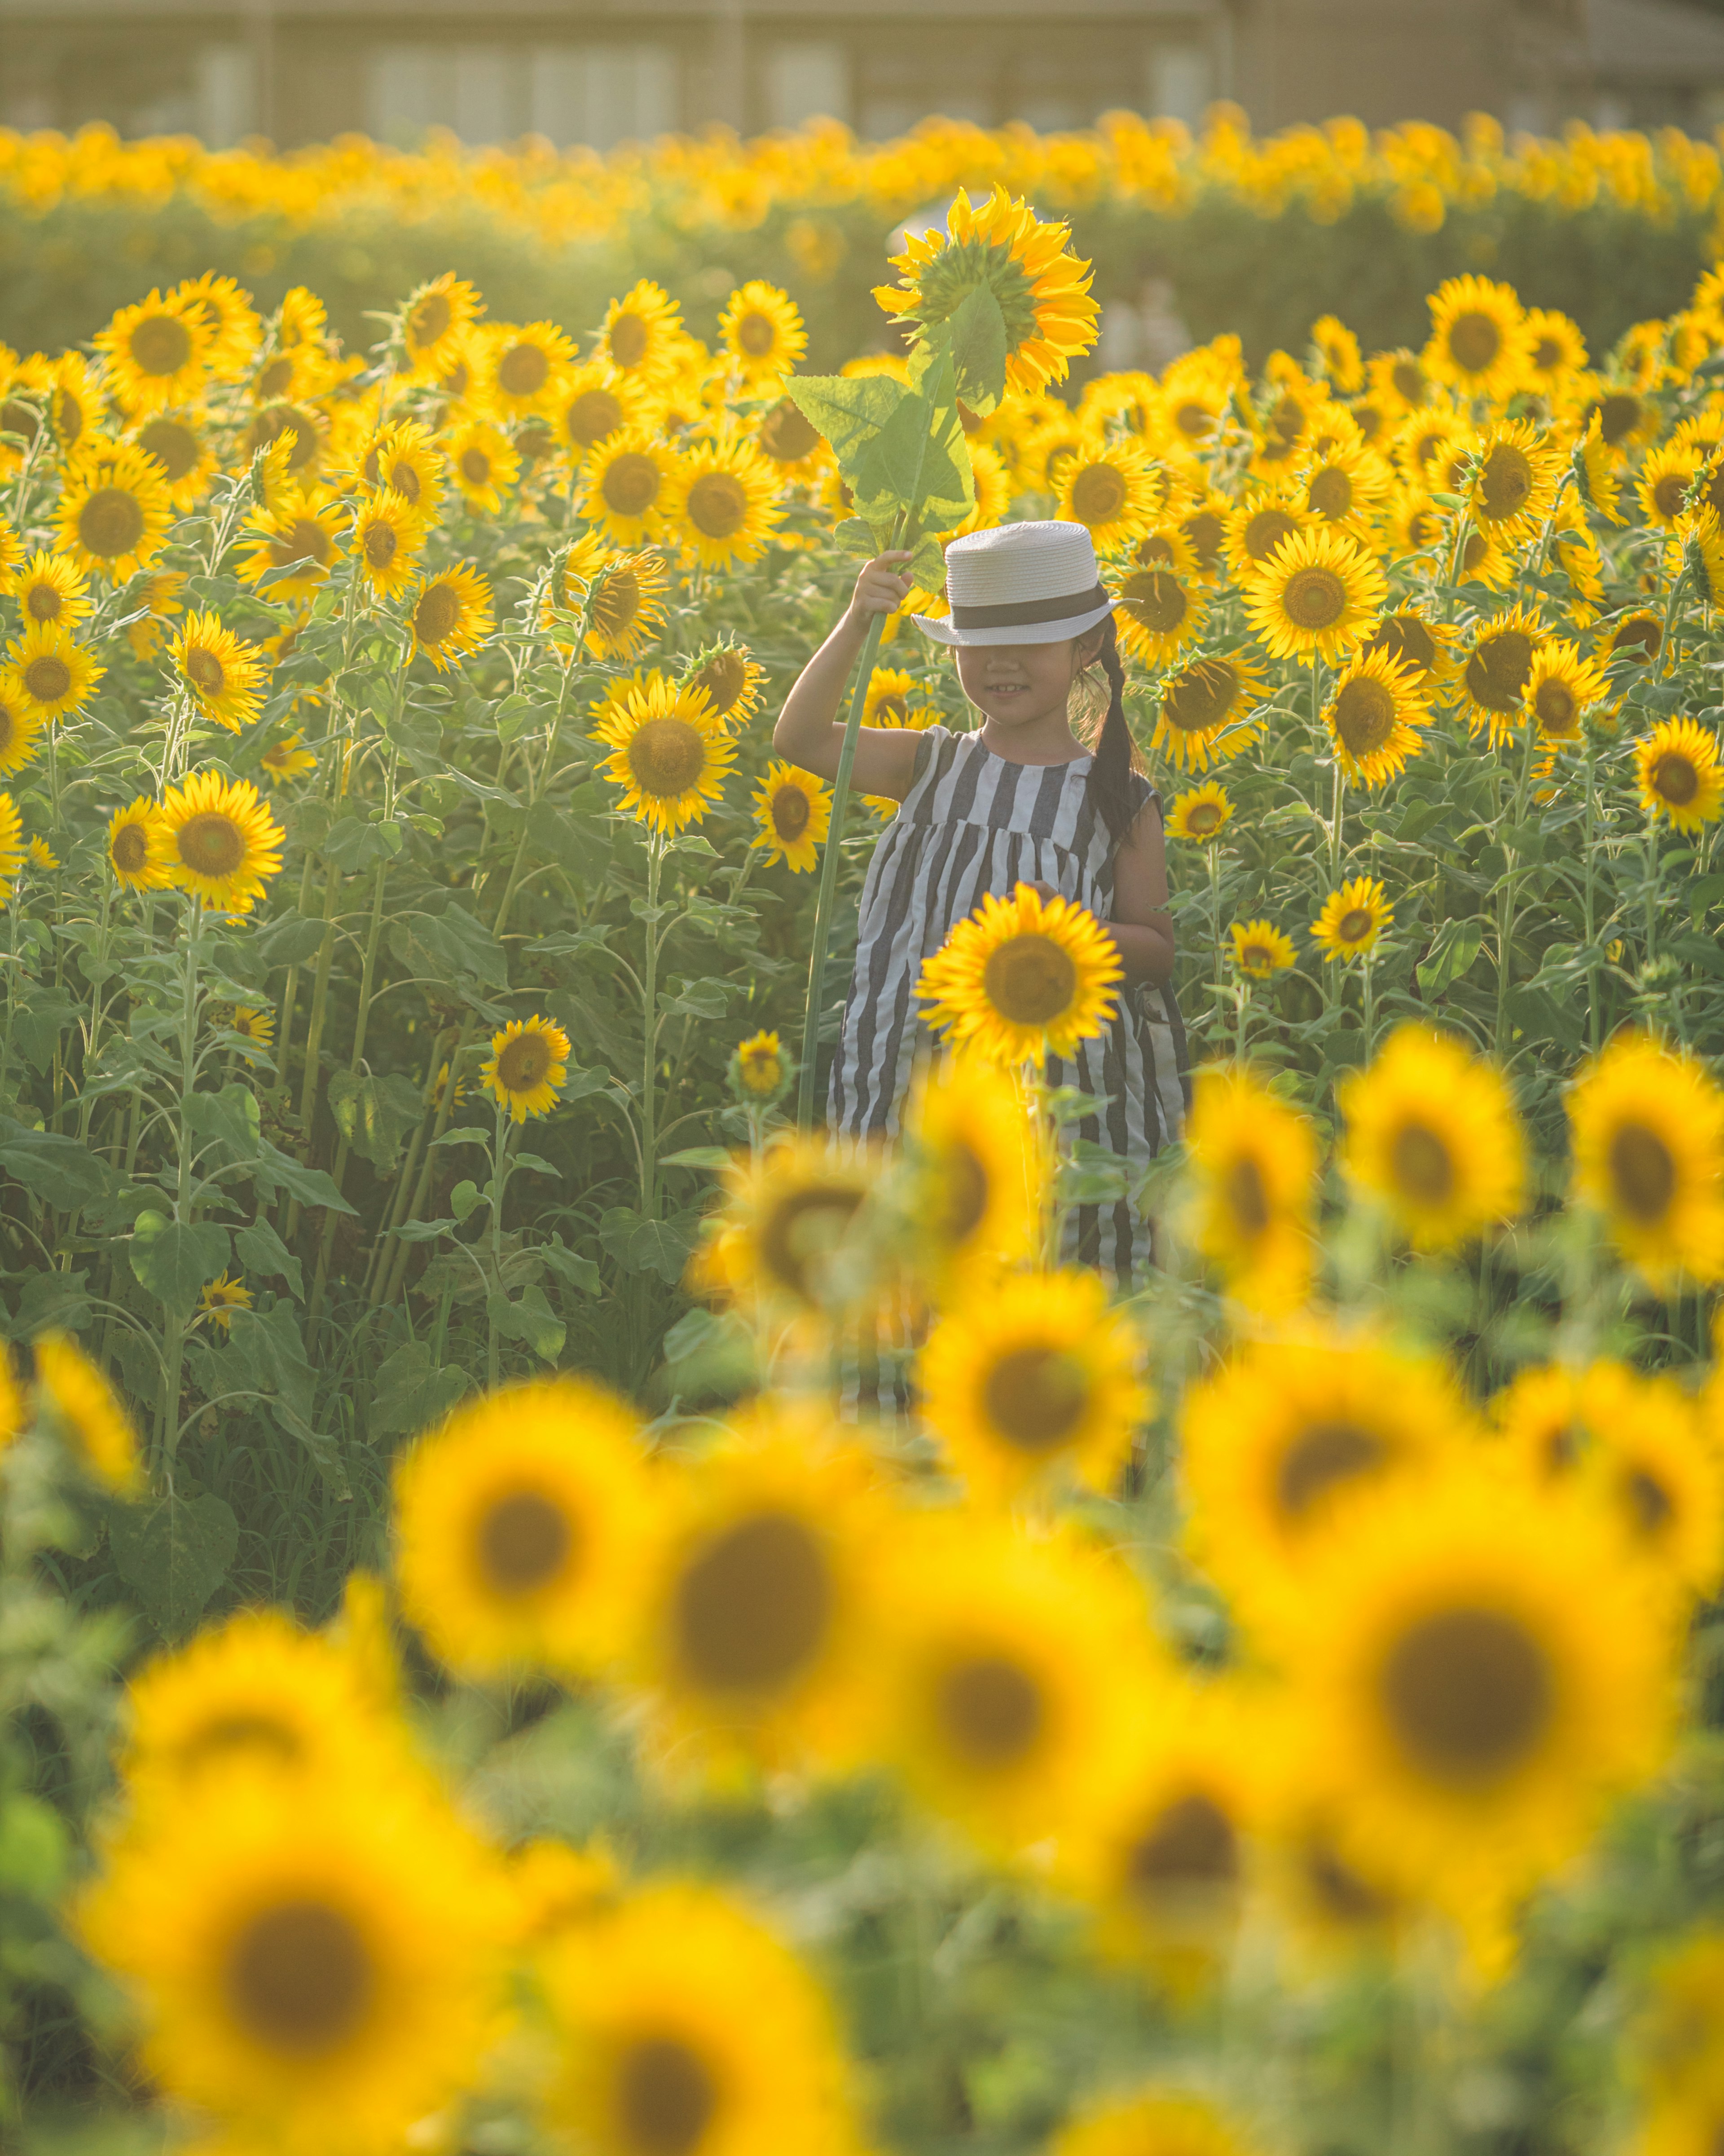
604 71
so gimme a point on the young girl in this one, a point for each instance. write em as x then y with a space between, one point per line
1020 800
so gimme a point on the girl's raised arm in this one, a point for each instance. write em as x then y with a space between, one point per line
810 730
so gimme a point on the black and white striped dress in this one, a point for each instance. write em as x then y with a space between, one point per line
973 823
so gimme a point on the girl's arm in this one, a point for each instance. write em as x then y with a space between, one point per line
809 732
1141 928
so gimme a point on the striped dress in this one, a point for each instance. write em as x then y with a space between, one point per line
973 823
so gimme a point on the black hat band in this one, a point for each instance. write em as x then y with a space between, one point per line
1024 612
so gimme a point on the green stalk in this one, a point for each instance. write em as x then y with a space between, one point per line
1505 894
397 1274
368 977
314 1035
828 876
168 1432
500 1184
649 1023
384 1248
1587 888
291 988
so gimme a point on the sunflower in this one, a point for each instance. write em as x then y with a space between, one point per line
1556 351
669 752
294 543
1257 527
450 615
1432 1132
631 486
793 810
1261 949
316 1961
157 352
1116 489
140 849
21 725
298 436
1353 919
181 444
51 592
1701 555
1594 468
1286 428
1412 523
759 1068
406 459
285 759
1647 1125
1652 1463
1498 669
761 330
723 504
385 543
1676 767
1316 595
1561 687
1042 290
256 1027
1486 1673
1023 978
529 1063
1204 715
222 844
13 847
1423 647
1156 2121
1514 480
219 1299
522 366
977 1172
485 462
435 322
1200 814
48 674
114 510
1008 1666
1033 1374
87 1411
1479 339
1664 480
1678 2045
1157 615
792 1232
1576 553
733 683
1253 1188
1374 717
1637 636
1626 418
626 595
642 338
594 403
1346 489
227 678
653 2058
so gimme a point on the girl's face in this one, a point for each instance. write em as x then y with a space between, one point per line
1018 685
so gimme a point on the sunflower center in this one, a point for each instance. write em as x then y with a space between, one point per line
404 479
383 542
1320 1456
803 1229
629 340
110 522
786 435
1648 1501
429 320
1314 598
24 420
631 484
174 446
757 334
1287 422
666 756
1475 340
1505 483
211 844
525 1062
1192 1845
1204 821
300 1978
756 1606
891 710
964 1192
161 345
1669 494
1257 958
790 812
1206 532
1354 925
1496 672
1619 416
242 1732
305 540
592 416
665 2097
1408 380
47 677
277 377
990 1710
1674 779
476 466
1643 1173
1547 355
205 671
1195 421
523 1541
523 370
1266 530
1337 1889
1199 699
1468 1692
1331 494
8 729
130 849
1035 1398
724 677
1098 494
617 604
1421 1164
437 612
1642 631
1554 706
717 504
1246 1195
1364 716
1157 599
1030 980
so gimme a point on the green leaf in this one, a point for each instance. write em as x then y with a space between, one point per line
174 1555
531 1319
849 410
173 1259
712 1156
373 1114
33 1847
463 1198
450 945
640 1245
698 999
919 464
412 1392
1453 950
569 1265
537 1162
52 1167
855 537
976 336
261 1250
353 844
310 1185
290 941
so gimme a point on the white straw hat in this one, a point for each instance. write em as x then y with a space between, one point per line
1020 583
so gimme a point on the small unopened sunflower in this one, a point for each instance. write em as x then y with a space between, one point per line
763 333
1157 614
1562 686
222 844
1432 1132
114 510
1478 340
529 1062
724 506
157 352
386 541
227 678
140 848
670 754
630 486
91 1417
1205 713
1677 770
21 725
51 592
1201 814
1116 488
1374 717
760 1071
450 615
1317 596
48 674
1023 978
1254 1169
1031 1374
1260 950
642 337
1648 1128
1353 919
793 811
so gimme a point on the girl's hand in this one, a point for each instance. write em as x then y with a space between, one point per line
880 588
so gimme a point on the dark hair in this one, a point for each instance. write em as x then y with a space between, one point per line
1109 785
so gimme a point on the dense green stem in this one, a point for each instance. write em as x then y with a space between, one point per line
649 1024
174 1344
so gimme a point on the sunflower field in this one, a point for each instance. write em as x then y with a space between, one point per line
545 1607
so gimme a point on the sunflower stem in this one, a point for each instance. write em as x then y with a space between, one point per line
314 1035
395 1281
649 1017
1589 900
500 1184
167 1434
828 876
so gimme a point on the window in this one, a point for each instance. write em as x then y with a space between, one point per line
1182 82
604 94
224 90
807 81
598 94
